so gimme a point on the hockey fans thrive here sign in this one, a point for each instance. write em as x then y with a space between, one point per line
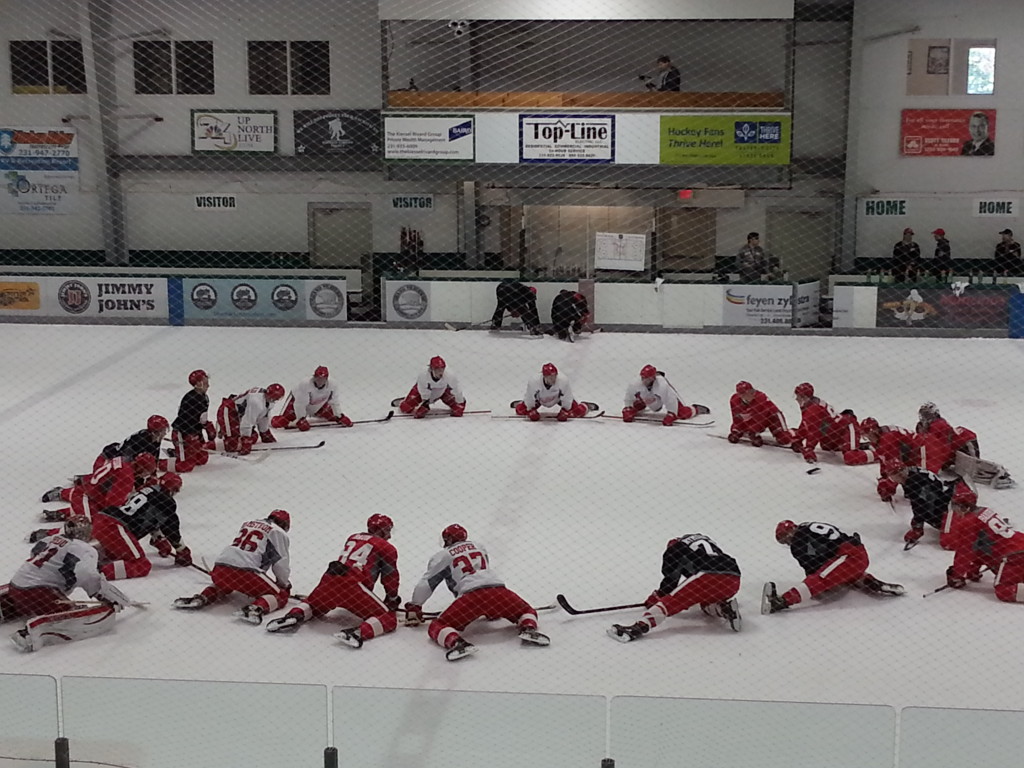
69 298
233 131
770 304
271 301
725 139
418 137
615 250
567 138
215 203
38 170
337 131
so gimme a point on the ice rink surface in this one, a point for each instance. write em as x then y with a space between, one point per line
584 508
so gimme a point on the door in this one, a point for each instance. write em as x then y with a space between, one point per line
804 243
340 235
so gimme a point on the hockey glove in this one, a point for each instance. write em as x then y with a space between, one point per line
392 602
267 437
628 414
163 546
533 414
563 415
413 615
913 535
211 431
953 581
886 488
344 420
521 409
421 411
797 446
279 422
245 446
302 424
670 419
183 557
734 437
974 576
458 409
809 456
652 598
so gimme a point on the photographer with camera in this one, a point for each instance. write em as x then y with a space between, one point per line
667 79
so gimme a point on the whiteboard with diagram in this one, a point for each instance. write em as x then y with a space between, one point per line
616 250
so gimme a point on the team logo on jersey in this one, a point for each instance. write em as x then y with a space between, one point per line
284 297
327 301
244 297
410 302
74 296
204 296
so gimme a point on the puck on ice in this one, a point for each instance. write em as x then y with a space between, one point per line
813 470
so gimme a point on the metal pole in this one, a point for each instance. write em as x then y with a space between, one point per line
61 753
331 757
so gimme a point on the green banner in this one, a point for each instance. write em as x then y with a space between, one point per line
725 139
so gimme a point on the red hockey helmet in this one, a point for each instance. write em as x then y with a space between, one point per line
453 534
379 525
171 482
144 464
963 495
156 423
549 370
437 362
78 527
804 390
532 290
869 425
648 372
197 376
321 372
281 518
275 392
742 387
784 531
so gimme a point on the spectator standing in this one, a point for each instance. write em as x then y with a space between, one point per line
942 261
751 261
1007 258
906 256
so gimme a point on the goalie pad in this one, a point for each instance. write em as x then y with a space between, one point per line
983 471
80 623
111 594
7 610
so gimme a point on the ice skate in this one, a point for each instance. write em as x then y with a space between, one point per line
251 613
53 494
870 584
23 640
460 650
193 603
350 637
531 635
628 634
55 515
770 600
288 623
730 611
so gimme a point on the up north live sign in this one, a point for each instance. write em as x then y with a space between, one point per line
725 139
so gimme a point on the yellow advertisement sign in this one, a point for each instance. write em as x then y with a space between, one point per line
725 139
19 295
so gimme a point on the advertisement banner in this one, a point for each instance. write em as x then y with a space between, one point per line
406 301
725 139
958 306
566 138
261 299
770 304
38 170
615 250
234 131
337 131
86 297
409 137
948 132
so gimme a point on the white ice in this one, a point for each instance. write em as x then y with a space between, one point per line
584 508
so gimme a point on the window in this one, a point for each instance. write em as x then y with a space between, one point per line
44 66
300 68
168 67
981 70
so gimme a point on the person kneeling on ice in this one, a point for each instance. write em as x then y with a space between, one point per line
546 391
820 426
752 414
348 584
929 498
479 594
312 398
709 576
41 586
830 558
432 385
241 417
244 566
985 541
653 392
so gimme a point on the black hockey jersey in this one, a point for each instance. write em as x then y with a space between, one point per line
929 497
690 554
137 443
815 544
150 510
189 421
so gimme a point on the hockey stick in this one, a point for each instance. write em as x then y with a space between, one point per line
248 458
438 413
262 448
549 416
450 327
944 587
577 611
677 423
321 424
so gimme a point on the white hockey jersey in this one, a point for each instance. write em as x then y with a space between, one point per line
431 390
540 395
61 563
259 546
307 400
463 567
660 395
253 411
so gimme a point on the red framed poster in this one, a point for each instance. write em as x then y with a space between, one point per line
948 132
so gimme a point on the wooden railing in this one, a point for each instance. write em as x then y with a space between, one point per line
573 100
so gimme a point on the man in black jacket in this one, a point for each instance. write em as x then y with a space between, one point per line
520 301
568 311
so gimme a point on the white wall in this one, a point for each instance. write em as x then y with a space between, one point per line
879 95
